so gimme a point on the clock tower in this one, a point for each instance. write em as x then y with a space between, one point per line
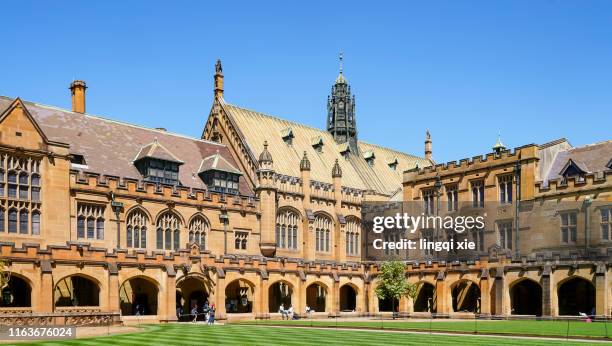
341 122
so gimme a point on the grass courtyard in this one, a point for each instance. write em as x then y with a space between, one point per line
556 328
233 334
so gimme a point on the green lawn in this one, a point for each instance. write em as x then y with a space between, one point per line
189 334
544 328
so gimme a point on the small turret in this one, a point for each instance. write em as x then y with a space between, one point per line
336 170
305 163
498 147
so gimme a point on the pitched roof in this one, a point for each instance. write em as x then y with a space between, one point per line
589 158
110 146
255 128
156 151
218 163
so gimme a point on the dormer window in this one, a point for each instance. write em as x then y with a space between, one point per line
393 164
345 150
159 171
317 143
219 175
573 169
369 157
609 165
287 135
157 164
77 159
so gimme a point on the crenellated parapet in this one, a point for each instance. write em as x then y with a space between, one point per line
139 189
575 185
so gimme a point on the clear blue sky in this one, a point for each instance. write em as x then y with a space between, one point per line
532 70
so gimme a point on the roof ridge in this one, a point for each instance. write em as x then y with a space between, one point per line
98 117
317 129
589 145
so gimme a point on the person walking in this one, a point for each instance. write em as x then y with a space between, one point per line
194 313
211 317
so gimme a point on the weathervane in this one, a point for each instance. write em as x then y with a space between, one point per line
341 58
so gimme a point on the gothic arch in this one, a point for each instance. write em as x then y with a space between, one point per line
173 212
465 296
317 296
291 208
86 293
197 215
348 294
281 292
240 296
139 207
575 295
17 293
525 297
139 295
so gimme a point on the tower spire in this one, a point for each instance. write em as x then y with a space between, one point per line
341 122
218 79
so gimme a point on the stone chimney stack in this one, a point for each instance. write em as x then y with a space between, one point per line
77 88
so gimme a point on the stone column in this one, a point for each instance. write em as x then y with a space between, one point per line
601 289
546 298
485 292
46 285
441 295
264 285
113 291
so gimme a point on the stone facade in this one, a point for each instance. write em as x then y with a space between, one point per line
93 225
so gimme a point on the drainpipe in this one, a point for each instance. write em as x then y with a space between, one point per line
517 174
223 217
587 231
117 206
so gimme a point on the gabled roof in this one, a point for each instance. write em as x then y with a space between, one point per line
589 159
572 165
110 146
156 150
217 162
254 128
19 103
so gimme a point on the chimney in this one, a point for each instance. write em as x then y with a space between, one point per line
77 88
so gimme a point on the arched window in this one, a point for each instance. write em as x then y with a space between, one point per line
90 221
168 224
23 221
323 227
136 229
198 230
353 232
35 223
287 222
12 221
2 220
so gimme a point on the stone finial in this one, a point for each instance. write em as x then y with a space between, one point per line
218 79
305 163
265 156
218 67
428 145
336 170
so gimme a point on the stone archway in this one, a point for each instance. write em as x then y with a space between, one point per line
138 296
466 296
191 291
76 290
526 298
576 295
316 297
280 292
17 293
348 298
239 296
425 300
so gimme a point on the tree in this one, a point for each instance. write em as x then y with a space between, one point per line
392 283
5 275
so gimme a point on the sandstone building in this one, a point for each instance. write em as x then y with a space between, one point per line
101 219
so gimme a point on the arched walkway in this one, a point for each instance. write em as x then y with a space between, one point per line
138 296
526 298
17 293
425 300
239 296
388 305
280 292
191 292
77 290
466 296
316 297
576 295
348 298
